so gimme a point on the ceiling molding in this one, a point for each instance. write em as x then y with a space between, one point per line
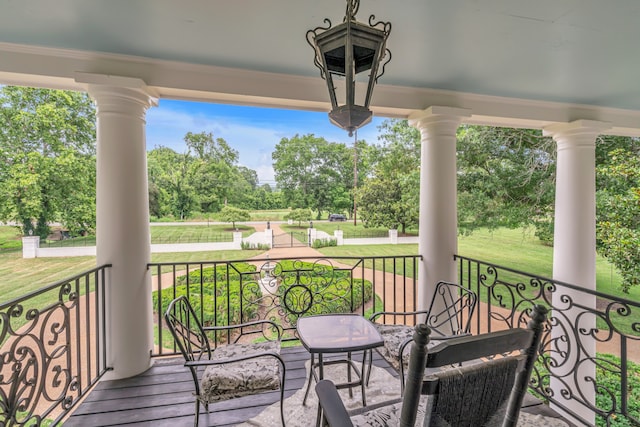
57 68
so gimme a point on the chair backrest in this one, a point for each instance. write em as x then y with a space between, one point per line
478 391
451 309
187 330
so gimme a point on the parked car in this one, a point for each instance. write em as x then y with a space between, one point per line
337 217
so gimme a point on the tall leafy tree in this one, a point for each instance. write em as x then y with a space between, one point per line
214 169
390 196
171 183
311 171
47 171
618 205
506 177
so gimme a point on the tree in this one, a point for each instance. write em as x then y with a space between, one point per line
47 172
170 179
506 177
213 169
299 215
233 215
618 206
311 171
390 197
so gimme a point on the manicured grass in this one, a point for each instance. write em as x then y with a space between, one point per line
272 215
405 268
349 230
516 249
10 238
197 233
173 234
20 276
260 215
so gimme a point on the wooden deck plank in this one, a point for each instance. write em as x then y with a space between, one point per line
162 396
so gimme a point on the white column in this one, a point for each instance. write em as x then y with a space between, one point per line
122 215
438 223
574 258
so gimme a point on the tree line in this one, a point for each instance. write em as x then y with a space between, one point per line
506 177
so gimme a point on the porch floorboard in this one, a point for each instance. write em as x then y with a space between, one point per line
161 396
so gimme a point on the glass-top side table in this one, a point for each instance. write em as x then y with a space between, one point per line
338 333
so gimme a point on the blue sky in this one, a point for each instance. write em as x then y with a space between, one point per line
253 132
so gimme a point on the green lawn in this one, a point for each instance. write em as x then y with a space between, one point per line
20 276
510 248
515 249
10 238
173 234
349 230
261 215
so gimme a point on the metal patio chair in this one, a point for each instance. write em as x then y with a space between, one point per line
486 390
448 316
231 370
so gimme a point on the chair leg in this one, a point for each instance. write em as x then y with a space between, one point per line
401 376
282 382
282 404
196 419
370 366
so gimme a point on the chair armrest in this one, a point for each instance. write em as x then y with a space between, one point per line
245 325
443 337
377 314
209 362
334 412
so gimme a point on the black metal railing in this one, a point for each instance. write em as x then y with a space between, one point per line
51 353
587 331
282 290
52 349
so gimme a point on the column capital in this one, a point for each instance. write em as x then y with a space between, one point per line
438 120
112 93
576 129
438 114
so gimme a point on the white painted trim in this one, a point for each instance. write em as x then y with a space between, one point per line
57 68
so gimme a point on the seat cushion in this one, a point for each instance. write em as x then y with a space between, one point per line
241 378
393 336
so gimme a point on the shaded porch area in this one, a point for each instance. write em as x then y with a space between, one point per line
161 396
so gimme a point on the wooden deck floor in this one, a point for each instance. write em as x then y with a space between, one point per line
161 396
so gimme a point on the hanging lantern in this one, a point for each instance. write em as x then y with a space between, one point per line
342 53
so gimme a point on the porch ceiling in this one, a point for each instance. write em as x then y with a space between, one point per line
512 62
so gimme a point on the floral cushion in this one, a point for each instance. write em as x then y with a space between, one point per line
393 336
241 378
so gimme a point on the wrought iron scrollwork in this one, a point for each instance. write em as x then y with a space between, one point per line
291 289
41 359
580 321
